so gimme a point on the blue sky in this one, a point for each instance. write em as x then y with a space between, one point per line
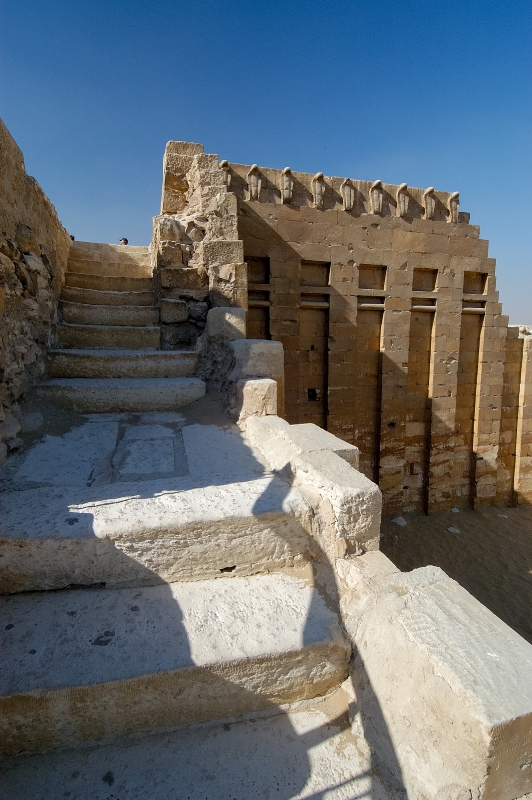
423 92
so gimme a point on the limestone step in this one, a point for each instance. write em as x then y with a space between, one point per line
85 314
92 258
108 337
108 395
74 294
312 752
83 665
105 284
121 363
146 499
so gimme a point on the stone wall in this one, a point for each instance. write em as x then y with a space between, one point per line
197 256
384 299
33 255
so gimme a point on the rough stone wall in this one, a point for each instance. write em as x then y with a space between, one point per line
33 255
384 299
198 258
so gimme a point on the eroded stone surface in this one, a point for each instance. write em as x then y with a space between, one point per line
294 755
137 659
444 691
210 503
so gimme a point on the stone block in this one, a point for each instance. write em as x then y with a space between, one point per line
228 284
178 335
258 358
184 148
170 254
9 428
347 503
222 252
183 278
444 691
26 240
198 310
255 398
282 442
226 323
174 311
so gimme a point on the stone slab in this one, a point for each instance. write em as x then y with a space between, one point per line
226 323
75 294
105 395
103 283
135 659
108 337
220 512
444 691
281 441
90 314
347 503
311 753
71 460
255 398
75 363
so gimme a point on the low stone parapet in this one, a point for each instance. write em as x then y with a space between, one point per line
346 504
443 687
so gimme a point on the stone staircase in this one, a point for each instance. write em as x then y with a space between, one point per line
187 595
108 357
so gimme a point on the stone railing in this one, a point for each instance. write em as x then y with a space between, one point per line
440 687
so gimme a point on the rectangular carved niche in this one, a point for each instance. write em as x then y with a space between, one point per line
315 273
258 316
371 277
424 280
313 342
474 282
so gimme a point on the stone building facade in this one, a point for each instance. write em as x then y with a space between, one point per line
384 298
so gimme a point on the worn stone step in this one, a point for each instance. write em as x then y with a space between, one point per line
92 258
127 660
146 500
85 314
108 337
75 294
121 363
311 753
111 395
106 284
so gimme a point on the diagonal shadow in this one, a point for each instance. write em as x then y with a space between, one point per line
130 634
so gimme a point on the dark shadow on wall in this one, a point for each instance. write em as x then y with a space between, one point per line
370 400
144 633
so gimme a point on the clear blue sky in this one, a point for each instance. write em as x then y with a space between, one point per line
431 93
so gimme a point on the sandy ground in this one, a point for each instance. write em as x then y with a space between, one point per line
490 556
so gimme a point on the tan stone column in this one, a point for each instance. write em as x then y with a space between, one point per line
523 460
443 386
395 345
488 407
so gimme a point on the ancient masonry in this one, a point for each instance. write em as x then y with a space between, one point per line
192 598
385 302
382 296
